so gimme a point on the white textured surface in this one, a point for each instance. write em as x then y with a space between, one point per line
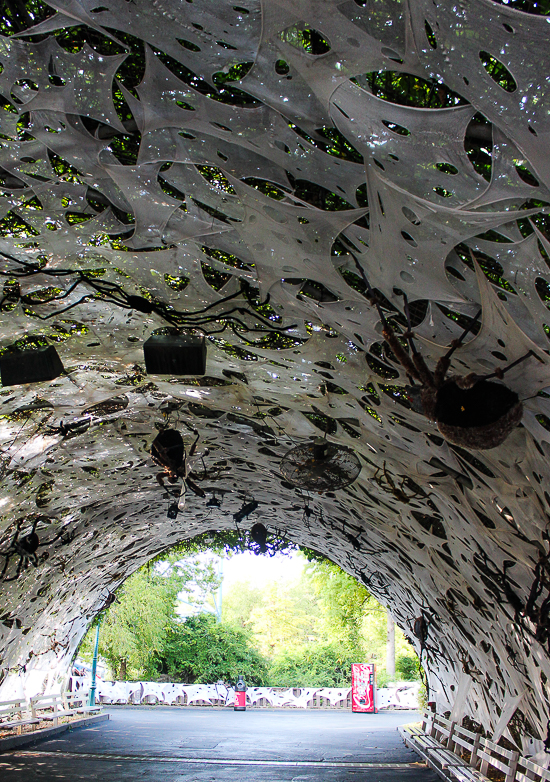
463 555
403 696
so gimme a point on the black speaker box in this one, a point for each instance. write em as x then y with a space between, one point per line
180 354
30 366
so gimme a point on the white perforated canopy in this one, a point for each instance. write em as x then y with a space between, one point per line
252 173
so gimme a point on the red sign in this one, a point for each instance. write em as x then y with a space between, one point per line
363 687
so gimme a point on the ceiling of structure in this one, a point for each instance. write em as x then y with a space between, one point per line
253 172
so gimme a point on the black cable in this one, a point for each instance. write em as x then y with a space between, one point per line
115 294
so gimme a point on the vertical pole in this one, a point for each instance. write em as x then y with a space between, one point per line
390 648
219 601
94 664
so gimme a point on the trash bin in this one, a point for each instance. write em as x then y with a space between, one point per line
240 695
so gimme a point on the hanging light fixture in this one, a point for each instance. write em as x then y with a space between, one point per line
175 354
30 366
320 466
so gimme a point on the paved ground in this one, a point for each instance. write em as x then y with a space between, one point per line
160 744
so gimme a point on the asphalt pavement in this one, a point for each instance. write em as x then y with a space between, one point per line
162 744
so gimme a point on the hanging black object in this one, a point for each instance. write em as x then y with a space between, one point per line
482 404
469 410
173 511
175 354
246 509
479 416
321 450
261 541
258 533
320 466
168 450
30 366
420 629
214 502
141 304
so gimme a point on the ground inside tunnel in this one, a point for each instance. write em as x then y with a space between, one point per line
157 744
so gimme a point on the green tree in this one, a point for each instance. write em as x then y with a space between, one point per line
308 632
313 630
204 650
355 621
343 604
133 630
286 619
279 616
136 627
407 666
316 665
239 601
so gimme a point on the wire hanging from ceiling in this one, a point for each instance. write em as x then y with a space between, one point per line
227 312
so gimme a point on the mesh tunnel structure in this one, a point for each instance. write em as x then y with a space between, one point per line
253 173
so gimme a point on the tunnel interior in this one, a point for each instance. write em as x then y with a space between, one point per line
287 180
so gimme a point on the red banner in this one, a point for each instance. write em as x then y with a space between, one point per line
363 687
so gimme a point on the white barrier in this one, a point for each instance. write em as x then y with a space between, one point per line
402 696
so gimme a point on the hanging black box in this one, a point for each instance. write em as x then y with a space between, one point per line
30 366
179 354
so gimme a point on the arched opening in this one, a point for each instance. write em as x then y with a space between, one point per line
211 610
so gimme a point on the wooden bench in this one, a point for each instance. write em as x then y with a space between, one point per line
505 760
11 715
467 757
465 741
425 740
50 708
490 754
414 730
445 760
442 729
419 737
531 772
410 733
72 701
440 755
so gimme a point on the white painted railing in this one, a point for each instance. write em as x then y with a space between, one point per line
403 696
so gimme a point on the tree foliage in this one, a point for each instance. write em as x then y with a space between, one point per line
301 634
285 619
204 650
134 629
137 626
343 603
407 667
313 630
315 665
240 601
